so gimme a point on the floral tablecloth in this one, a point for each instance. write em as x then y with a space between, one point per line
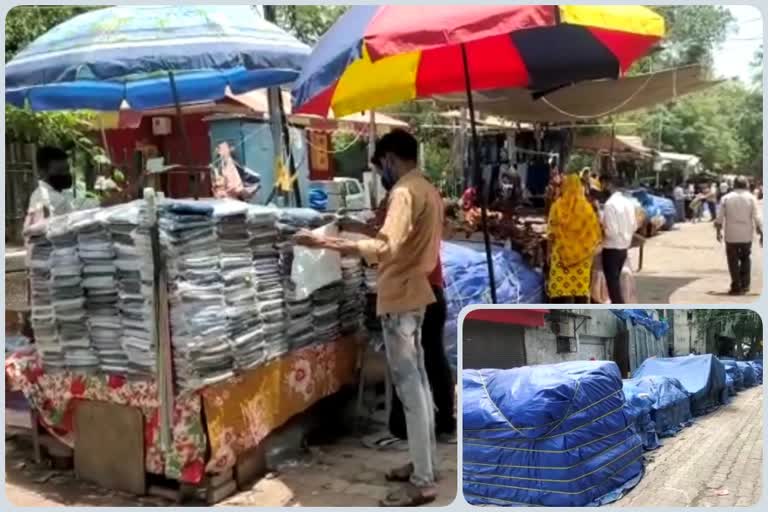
55 396
241 412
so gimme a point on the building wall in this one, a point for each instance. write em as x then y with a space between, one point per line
685 330
601 328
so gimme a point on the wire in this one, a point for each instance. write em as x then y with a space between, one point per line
607 112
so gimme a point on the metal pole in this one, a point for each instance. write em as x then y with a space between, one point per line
479 179
184 138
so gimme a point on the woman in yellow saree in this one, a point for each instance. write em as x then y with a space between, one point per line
574 236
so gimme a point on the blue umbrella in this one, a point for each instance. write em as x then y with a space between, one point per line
152 56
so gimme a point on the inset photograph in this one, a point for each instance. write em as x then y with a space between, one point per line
621 407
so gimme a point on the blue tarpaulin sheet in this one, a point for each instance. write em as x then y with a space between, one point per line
703 377
670 405
659 328
734 372
758 366
550 435
639 406
657 205
750 377
465 274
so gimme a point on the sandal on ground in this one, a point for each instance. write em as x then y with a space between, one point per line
409 496
382 442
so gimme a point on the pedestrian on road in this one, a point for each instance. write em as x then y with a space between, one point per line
739 218
574 237
406 250
432 331
619 226
711 199
679 197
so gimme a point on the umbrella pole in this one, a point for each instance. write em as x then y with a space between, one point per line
479 181
184 138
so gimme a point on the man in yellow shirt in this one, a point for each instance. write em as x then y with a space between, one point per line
406 250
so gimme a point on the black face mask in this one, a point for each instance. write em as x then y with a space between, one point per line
60 182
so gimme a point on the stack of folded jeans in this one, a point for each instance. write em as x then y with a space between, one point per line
97 254
134 277
202 353
325 312
43 318
240 288
69 296
299 330
352 306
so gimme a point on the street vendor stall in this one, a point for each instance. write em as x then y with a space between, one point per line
248 350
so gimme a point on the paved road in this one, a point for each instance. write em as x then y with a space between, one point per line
688 266
344 474
717 462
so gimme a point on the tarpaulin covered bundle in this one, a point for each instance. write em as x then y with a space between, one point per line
465 274
550 435
670 405
730 387
758 366
750 377
656 205
659 328
638 406
703 377
734 372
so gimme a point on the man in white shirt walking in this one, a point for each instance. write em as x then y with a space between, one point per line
679 196
619 226
739 218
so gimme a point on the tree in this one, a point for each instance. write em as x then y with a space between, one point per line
308 22
693 34
743 325
25 23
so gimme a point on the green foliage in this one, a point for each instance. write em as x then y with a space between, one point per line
744 325
693 34
308 22
25 23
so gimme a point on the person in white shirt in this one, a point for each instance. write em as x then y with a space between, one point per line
54 177
739 218
678 195
619 226
724 189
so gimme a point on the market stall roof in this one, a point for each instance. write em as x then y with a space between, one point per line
621 144
253 103
524 317
590 100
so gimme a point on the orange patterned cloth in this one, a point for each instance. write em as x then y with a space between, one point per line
242 412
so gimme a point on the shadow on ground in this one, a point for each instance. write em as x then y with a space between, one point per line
659 289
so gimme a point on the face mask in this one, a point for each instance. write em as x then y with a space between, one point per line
60 182
388 179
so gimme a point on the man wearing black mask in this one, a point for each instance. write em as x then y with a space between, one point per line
54 177
432 331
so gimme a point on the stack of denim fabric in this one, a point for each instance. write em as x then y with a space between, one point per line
299 331
97 254
240 288
69 296
202 353
325 312
352 306
43 318
134 276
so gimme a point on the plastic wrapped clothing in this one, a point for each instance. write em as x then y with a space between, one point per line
670 405
734 372
750 377
465 275
639 406
703 377
659 328
550 435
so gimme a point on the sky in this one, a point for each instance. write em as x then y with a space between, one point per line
732 59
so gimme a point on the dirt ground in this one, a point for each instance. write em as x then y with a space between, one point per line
717 462
344 474
688 266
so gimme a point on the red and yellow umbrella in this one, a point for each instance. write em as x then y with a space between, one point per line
382 55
